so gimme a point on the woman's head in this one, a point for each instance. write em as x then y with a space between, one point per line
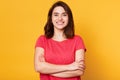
59 16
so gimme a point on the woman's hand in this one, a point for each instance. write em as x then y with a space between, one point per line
77 66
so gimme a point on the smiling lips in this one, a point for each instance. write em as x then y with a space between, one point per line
60 23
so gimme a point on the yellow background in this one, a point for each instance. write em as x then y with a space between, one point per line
22 21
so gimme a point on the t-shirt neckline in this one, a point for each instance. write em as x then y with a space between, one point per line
59 41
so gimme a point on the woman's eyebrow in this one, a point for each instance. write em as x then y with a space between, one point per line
64 12
59 13
55 13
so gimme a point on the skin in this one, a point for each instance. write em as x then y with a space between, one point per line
59 20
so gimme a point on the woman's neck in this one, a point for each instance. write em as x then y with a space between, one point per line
59 36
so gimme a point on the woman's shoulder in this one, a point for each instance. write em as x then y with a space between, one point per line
42 37
77 37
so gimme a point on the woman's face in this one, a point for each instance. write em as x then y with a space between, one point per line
59 18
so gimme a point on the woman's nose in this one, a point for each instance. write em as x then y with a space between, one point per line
60 17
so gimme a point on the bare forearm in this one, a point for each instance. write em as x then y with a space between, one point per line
68 74
48 68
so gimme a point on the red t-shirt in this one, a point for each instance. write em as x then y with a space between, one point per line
62 52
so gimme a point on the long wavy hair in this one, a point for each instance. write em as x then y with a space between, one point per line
49 27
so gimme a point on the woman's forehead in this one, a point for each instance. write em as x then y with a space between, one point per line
59 9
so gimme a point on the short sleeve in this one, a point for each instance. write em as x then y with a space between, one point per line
80 43
40 42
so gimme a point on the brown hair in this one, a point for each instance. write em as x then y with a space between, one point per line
68 30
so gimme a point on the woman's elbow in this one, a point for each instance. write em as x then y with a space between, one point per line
80 73
38 68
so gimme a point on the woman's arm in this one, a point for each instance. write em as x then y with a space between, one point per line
79 58
47 68
68 74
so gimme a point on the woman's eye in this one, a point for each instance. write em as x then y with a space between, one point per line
55 15
64 14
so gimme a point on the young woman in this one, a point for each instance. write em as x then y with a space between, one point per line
59 53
